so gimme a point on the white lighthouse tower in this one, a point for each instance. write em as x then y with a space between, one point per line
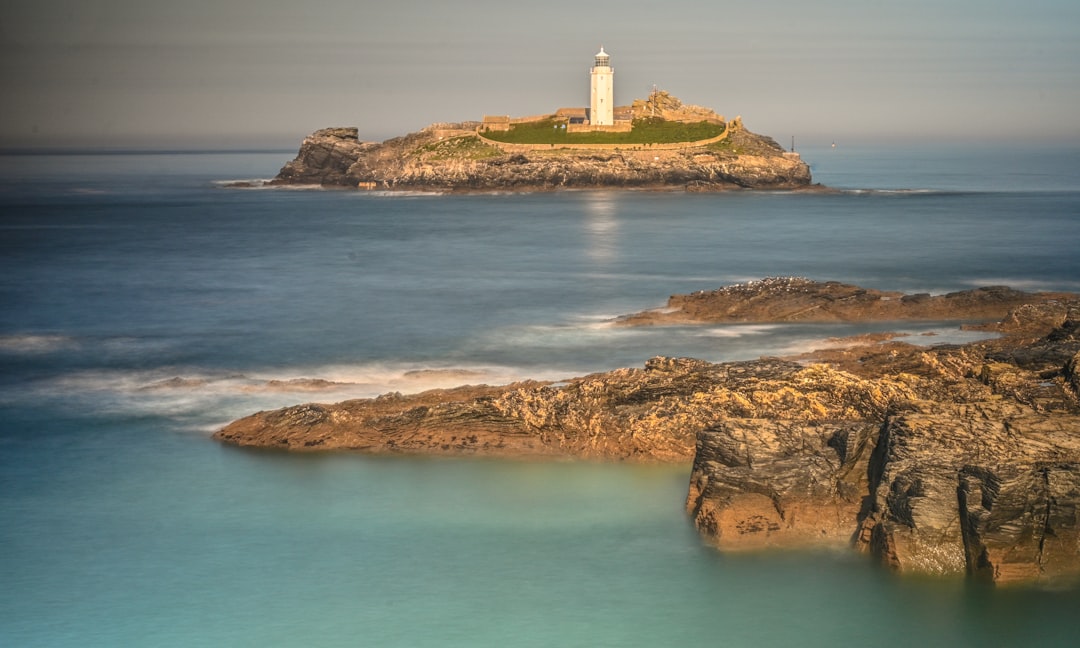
602 105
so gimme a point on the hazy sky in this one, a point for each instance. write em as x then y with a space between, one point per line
265 73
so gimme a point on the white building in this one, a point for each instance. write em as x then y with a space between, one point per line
602 103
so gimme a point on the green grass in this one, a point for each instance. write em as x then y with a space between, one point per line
468 148
727 146
645 131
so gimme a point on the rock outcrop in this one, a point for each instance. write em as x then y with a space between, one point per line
662 104
325 158
942 460
797 299
451 157
974 469
990 488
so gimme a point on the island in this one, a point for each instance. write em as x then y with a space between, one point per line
654 143
945 460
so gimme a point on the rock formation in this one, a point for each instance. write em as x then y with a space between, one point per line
972 466
324 158
942 460
661 104
796 299
451 157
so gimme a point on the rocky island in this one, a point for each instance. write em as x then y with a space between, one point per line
948 460
659 144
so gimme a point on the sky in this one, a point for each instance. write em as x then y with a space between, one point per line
262 74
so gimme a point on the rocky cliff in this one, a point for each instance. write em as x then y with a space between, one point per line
941 460
451 157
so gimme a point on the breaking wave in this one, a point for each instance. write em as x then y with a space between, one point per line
35 344
200 400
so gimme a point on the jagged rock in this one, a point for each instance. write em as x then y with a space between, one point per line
797 299
654 413
665 106
943 460
973 470
987 488
325 158
1072 374
450 157
783 482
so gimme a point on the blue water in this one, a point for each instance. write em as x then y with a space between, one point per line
143 305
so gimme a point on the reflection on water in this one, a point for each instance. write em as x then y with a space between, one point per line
601 227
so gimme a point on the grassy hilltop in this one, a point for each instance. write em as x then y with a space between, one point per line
453 157
646 130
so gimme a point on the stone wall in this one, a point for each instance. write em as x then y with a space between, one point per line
496 122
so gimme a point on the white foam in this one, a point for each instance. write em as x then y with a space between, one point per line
891 192
201 400
257 184
244 183
400 194
738 330
34 344
921 337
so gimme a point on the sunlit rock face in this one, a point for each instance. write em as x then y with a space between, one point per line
988 488
450 157
973 469
948 460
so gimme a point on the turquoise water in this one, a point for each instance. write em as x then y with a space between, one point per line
122 523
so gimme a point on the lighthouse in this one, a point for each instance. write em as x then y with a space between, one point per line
602 104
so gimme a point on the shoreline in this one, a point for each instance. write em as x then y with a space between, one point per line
524 190
454 157
854 446
1002 314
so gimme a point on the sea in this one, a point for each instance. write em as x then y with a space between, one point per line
144 304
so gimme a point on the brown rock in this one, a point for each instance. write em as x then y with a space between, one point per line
986 488
946 460
450 157
325 158
779 483
797 299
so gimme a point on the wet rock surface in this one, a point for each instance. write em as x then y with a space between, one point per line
955 459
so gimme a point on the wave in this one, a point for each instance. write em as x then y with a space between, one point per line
40 344
245 183
36 343
900 192
738 330
922 336
378 193
264 184
198 399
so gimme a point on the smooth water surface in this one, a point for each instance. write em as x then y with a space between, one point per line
143 305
